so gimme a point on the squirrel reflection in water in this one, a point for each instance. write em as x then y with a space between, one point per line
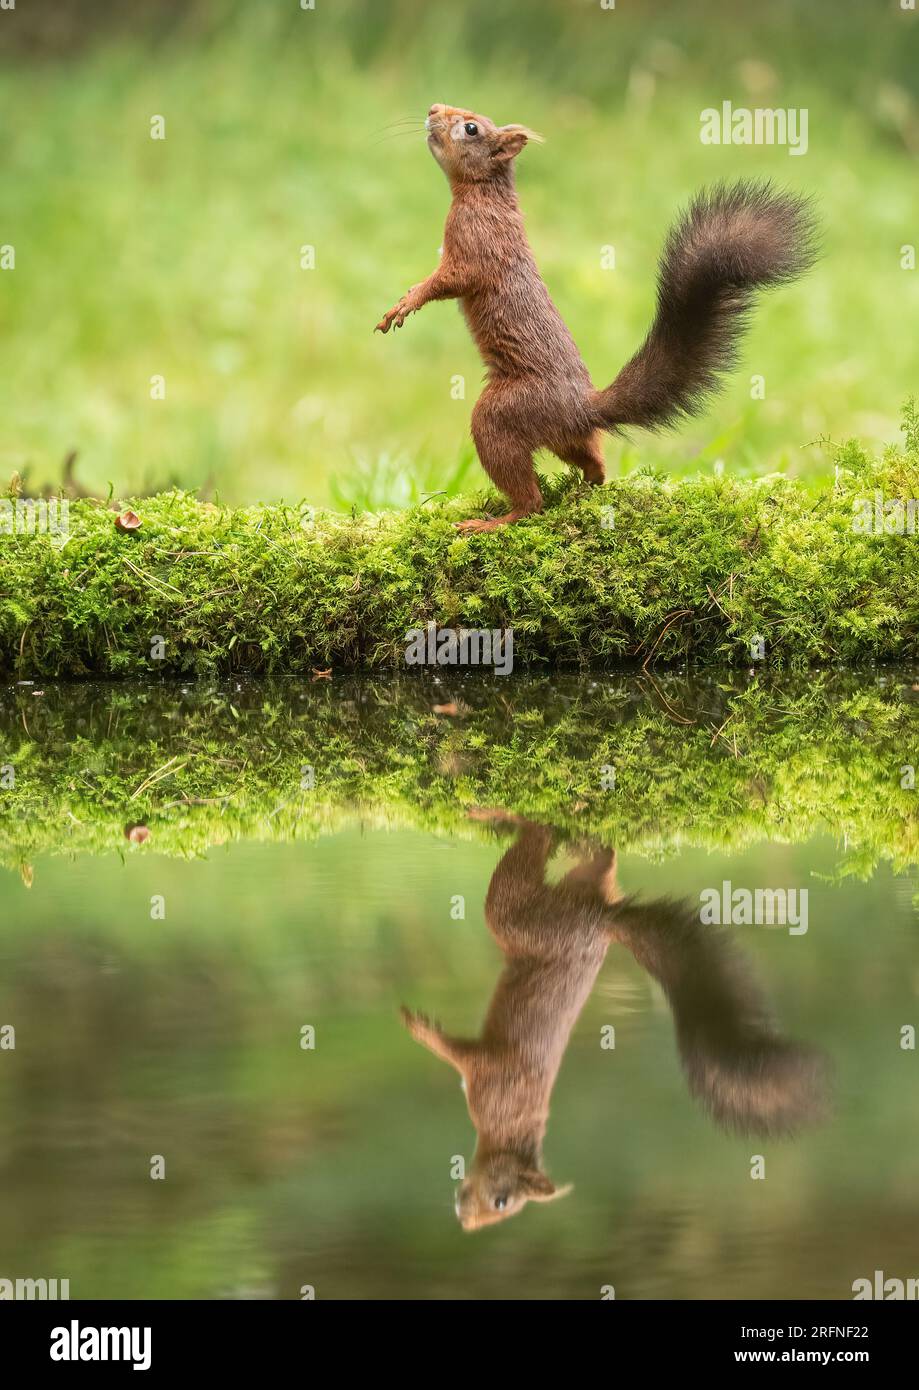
554 938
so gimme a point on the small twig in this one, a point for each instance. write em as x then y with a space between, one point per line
717 732
166 770
670 710
716 603
152 579
681 614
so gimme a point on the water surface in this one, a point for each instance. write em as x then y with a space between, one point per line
159 1001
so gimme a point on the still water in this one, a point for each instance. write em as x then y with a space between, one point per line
317 1009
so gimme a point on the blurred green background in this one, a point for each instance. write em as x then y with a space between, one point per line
181 257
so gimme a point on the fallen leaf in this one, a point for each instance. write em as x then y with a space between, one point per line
127 521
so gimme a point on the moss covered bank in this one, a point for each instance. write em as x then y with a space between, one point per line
649 765
643 570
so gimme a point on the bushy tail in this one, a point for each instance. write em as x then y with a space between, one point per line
749 1078
731 241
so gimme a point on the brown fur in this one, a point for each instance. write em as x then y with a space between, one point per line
554 940
539 394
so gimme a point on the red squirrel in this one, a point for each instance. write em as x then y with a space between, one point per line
731 241
554 938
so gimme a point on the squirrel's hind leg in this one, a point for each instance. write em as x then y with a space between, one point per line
586 454
516 885
595 874
509 463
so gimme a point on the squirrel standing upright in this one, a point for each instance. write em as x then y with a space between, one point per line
731 241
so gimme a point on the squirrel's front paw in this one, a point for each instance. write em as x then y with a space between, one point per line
418 1024
395 317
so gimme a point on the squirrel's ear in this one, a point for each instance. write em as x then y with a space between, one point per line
510 140
540 1188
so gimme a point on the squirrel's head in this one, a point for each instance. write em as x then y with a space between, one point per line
500 1186
471 148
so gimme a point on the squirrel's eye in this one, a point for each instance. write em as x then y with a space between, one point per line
471 128
500 1203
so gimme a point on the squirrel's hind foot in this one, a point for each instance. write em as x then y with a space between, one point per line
490 523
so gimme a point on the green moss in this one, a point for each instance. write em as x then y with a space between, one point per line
717 764
645 569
